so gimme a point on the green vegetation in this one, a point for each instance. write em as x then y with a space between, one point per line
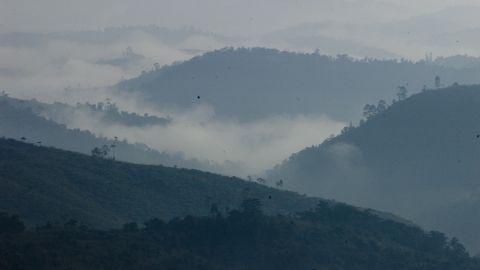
252 83
332 236
107 113
418 158
20 118
45 184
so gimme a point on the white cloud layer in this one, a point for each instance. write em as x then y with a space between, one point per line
406 28
256 145
245 16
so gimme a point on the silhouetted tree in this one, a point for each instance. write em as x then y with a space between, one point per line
381 106
101 152
438 82
261 181
347 128
113 146
279 183
457 248
402 93
369 111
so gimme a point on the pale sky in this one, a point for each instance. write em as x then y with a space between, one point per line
362 28
223 16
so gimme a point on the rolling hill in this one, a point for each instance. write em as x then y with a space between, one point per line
28 119
418 158
45 184
106 112
329 237
249 84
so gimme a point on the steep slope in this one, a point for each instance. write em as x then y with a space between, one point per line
23 119
45 184
330 237
254 83
418 158
105 113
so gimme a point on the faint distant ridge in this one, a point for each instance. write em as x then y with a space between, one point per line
104 36
271 82
108 112
458 61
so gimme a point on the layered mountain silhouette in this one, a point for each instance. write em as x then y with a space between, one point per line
46 124
417 158
248 84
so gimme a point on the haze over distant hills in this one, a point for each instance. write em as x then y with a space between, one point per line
418 158
248 84
47 124
126 134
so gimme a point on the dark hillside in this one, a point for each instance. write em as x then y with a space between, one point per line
419 158
45 184
19 118
332 236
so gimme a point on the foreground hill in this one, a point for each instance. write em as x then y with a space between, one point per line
419 158
253 83
332 236
45 184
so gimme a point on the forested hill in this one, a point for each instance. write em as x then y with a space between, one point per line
419 158
253 83
24 119
106 112
44 184
332 236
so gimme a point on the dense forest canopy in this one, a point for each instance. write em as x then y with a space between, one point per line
46 124
251 83
45 184
329 236
212 135
417 158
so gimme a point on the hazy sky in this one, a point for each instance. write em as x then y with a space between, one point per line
224 16
361 28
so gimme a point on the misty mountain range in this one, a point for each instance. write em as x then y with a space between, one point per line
185 134
417 158
422 131
191 220
46 124
248 84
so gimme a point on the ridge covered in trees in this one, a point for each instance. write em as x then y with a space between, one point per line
330 236
27 120
417 158
252 83
44 184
